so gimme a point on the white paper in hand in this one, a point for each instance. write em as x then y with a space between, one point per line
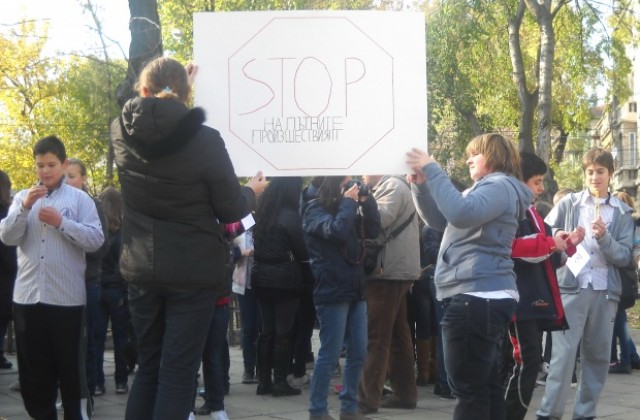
577 262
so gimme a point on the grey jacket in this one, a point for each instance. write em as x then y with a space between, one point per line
400 257
616 245
479 226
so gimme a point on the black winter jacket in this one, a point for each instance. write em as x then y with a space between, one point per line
280 254
110 276
178 186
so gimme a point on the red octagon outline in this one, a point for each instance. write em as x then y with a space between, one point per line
371 146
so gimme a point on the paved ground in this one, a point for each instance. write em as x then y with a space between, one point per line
620 400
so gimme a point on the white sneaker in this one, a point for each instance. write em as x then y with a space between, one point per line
219 415
302 382
192 416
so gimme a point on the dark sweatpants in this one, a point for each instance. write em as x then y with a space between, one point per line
48 340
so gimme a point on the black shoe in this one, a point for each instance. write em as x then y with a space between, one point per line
4 363
122 388
264 388
635 364
249 377
203 411
367 410
283 389
394 402
624 368
443 392
99 390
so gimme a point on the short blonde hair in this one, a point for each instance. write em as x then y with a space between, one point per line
500 154
165 77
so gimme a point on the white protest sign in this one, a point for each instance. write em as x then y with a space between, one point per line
314 92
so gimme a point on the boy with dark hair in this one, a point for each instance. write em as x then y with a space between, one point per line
53 225
536 255
590 293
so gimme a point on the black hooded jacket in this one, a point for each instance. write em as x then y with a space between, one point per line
178 186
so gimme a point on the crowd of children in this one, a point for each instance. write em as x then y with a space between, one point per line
158 261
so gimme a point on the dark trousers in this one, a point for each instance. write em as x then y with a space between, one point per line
303 331
438 308
112 307
473 331
48 339
525 349
171 329
389 346
422 315
215 358
251 325
278 315
92 311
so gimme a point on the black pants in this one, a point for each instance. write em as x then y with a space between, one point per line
525 349
50 353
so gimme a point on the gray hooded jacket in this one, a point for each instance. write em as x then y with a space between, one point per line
479 226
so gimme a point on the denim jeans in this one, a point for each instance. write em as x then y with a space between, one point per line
215 366
473 331
621 335
171 329
92 310
343 322
112 307
251 324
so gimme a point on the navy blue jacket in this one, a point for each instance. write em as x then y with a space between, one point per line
335 246
537 284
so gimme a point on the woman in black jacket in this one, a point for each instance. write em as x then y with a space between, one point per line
278 278
178 186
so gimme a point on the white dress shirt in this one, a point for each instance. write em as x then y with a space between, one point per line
596 271
51 262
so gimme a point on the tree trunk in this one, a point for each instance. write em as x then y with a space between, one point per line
146 44
558 151
547 50
528 100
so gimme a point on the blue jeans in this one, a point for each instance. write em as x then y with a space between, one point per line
215 367
621 335
112 307
473 331
344 322
251 322
171 329
92 310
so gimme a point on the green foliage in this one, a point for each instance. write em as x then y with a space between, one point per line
176 17
71 98
568 174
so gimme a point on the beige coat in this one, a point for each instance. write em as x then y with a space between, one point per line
400 257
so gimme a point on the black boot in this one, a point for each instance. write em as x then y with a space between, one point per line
263 364
281 364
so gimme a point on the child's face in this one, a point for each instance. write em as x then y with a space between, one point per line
74 177
536 185
597 179
477 167
50 169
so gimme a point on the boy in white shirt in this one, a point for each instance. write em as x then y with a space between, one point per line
53 225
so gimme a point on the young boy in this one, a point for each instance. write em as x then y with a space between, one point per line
590 297
53 224
536 255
